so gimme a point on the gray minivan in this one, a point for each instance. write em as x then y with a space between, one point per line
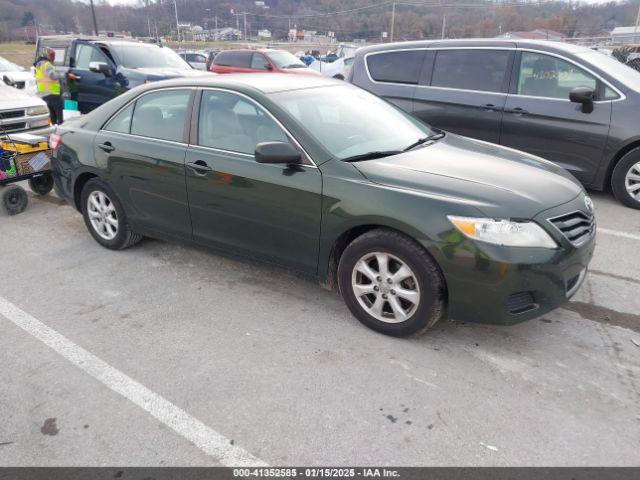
572 105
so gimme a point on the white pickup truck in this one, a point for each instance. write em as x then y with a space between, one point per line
21 112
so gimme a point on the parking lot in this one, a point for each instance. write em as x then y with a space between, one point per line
169 354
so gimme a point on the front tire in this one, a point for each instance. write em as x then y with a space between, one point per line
625 181
391 284
105 218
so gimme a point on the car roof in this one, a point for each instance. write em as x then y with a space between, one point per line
259 82
549 45
259 50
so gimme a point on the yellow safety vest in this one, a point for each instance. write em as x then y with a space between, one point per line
44 83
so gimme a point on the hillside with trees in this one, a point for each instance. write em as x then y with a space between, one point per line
367 19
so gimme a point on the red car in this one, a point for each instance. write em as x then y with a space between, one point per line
254 61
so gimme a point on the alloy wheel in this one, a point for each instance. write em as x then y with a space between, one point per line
632 181
102 215
385 287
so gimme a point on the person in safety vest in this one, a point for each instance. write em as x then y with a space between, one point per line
49 85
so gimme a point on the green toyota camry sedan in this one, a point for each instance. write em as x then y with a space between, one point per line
409 223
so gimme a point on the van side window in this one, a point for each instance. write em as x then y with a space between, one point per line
121 123
396 67
229 122
161 115
546 76
472 69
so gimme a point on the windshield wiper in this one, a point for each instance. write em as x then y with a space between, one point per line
372 155
428 138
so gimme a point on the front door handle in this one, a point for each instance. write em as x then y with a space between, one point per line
200 166
107 147
516 111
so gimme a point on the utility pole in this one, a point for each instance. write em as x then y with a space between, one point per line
93 14
635 30
175 4
444 26
393 19
245 26
149 25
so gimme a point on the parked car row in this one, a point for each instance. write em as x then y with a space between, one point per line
568 104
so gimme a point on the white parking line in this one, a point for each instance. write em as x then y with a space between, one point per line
202 436
617 233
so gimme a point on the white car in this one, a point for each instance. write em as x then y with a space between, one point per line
16 76
197 60
21 112
336 69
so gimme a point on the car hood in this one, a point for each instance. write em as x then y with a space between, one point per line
11 98
500 182
301 71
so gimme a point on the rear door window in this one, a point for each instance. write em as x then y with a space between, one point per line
121 123
234 59
471 69
161 115
396 67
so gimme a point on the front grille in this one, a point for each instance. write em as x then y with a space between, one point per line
577 227
520 302
10 127
11 114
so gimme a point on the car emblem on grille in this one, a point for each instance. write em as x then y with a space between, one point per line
588 203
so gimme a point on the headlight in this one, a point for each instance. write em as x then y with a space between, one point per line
39 110
504 232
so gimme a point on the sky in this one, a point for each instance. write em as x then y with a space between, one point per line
131 2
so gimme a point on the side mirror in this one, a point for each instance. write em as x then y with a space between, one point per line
100 67
8 81
583 95
269 67
277 152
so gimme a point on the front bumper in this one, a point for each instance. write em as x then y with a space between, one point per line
507 285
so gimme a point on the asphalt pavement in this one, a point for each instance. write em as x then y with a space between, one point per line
169 354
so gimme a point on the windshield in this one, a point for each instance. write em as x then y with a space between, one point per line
143 56
7 66
349 121
615 68
285 60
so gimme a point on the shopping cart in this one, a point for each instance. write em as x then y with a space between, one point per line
23 157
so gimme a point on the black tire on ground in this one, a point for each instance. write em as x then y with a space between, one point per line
14 199
431 283
124 237
41 184
631 161
338 76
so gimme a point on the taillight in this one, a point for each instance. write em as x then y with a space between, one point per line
54 141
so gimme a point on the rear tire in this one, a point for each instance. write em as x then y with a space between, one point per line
391 284
105 218
625 181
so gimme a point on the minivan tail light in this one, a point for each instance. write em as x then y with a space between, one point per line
54 141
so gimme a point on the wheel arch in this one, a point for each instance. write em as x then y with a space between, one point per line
330 280
616 160
78 185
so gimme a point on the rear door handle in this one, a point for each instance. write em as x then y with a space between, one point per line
200 166
107 147
516 111
491 107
